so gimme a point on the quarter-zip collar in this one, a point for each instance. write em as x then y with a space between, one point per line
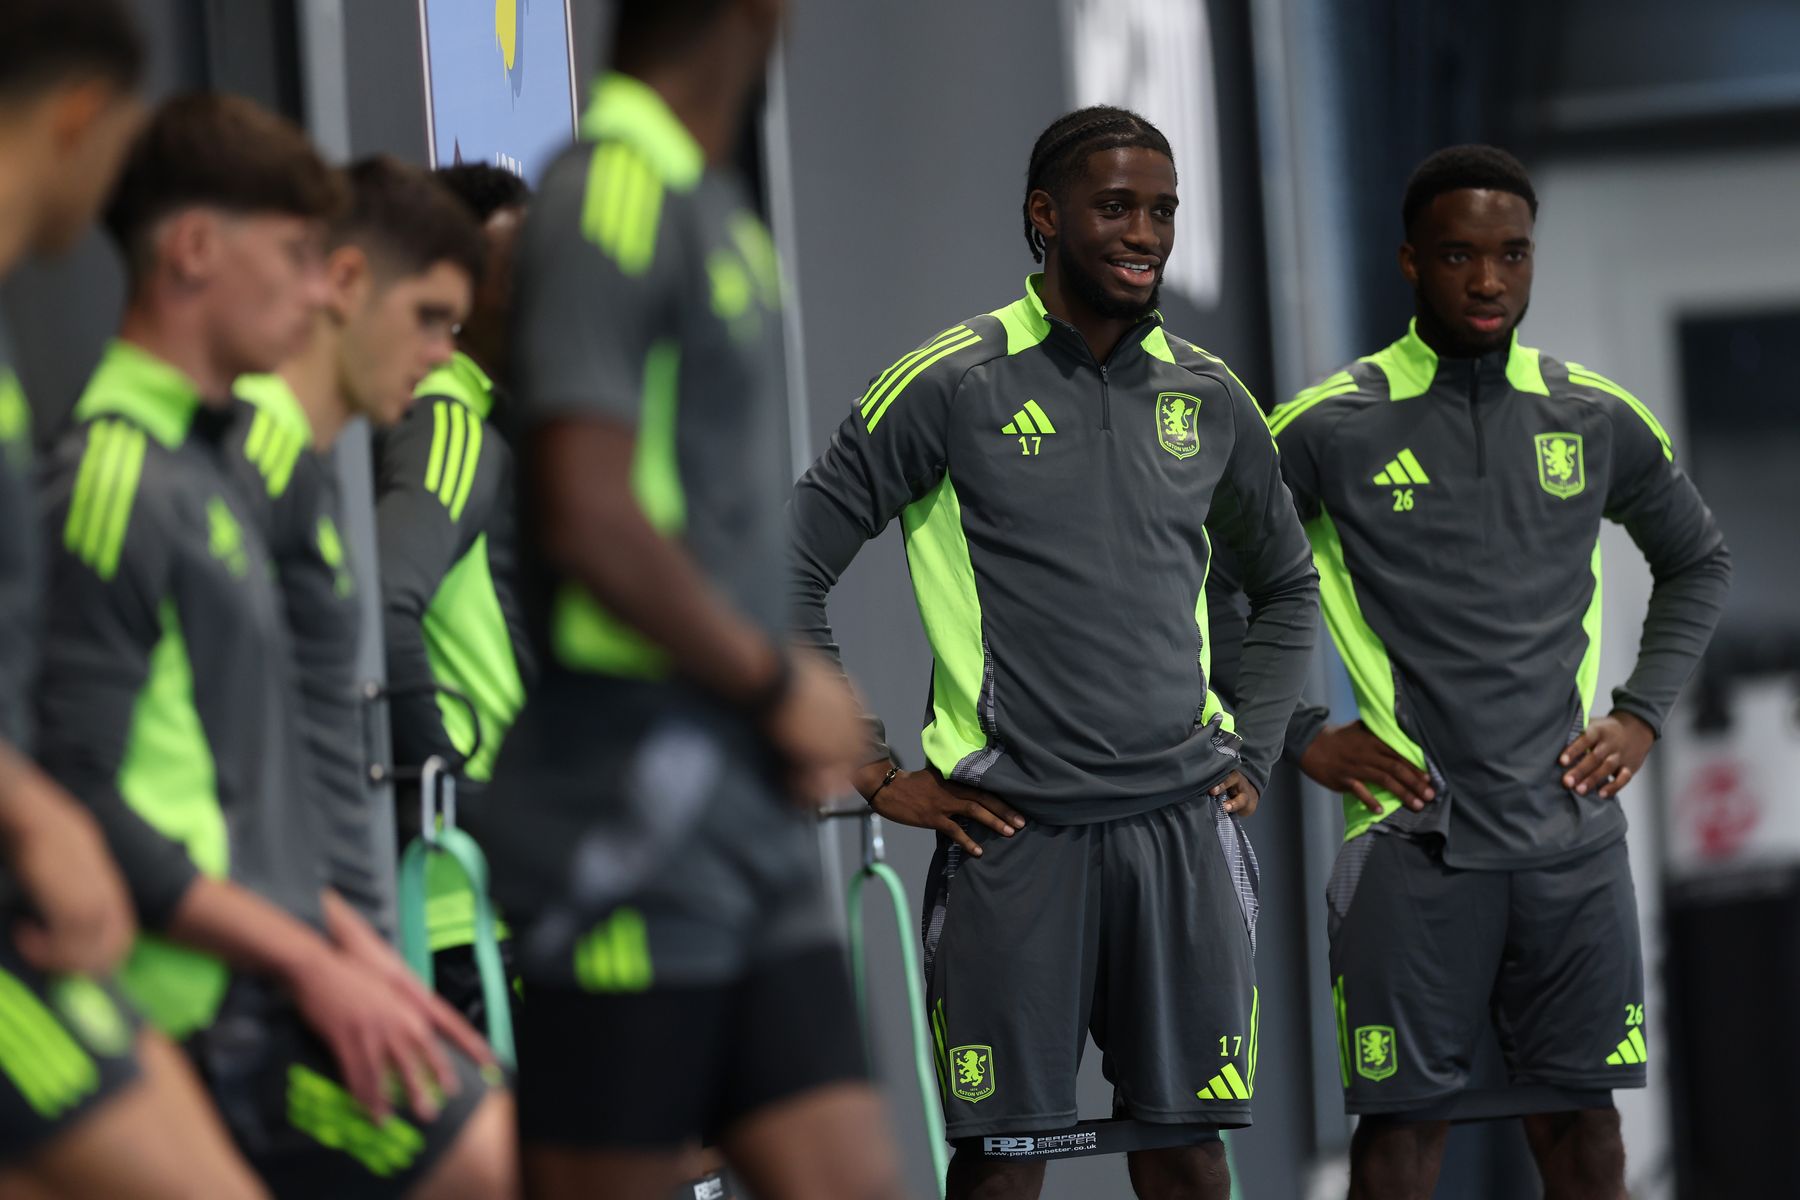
1412 367
1028 322
627 108
133 383
461 379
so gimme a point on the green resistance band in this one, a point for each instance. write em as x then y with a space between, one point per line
439 835
875 867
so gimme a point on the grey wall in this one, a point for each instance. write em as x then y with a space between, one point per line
909 149
1721 226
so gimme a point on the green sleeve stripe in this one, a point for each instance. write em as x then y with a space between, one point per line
655 463
470 458
279 452
583 634
623 208
1209 356
168 777
118 513
1580 374
82 503
626 201
453 456
1331 383
638 234
606 183
1366 659
105 488
942 352
434 465
1286 414
258 436
1587 675
876 389
105 446
1212 706
949 603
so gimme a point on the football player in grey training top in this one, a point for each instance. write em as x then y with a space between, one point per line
1453 486
1061 467
650 815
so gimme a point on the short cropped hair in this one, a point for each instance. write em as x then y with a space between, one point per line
1455 168
44 43
208 149
406 220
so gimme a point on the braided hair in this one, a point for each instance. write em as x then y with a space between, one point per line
1063 149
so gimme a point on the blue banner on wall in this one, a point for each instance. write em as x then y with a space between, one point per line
499 82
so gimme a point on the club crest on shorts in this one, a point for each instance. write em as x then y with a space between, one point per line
1377 1056
972 1072
1177 423
1561 471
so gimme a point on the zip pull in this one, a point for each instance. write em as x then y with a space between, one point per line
1105 401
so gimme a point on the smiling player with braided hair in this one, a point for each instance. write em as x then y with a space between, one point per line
1061 467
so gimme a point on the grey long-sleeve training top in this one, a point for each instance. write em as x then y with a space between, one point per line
1454 508
1058 514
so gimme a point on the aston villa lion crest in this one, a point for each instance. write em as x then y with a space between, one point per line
1376 1056
1561 471
1177 424
972 1072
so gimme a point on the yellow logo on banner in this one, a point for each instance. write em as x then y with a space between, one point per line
506 28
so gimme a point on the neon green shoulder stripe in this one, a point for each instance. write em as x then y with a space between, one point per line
456 435
627 109
279 432
1286 414
1524 370
1581 375
1409 364
1156 345
886 389
623 207
1203 352
1025 324
105 487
